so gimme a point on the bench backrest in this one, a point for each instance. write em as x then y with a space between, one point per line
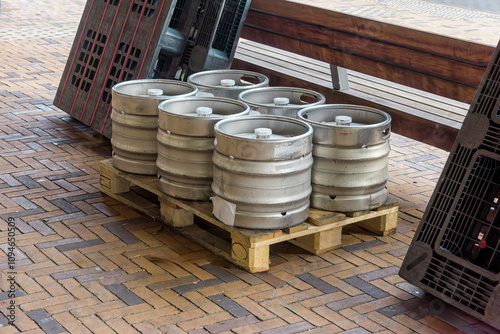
437 64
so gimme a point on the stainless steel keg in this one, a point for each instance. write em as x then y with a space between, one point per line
351 152
227 83
186 143
281 101
262 164
135 121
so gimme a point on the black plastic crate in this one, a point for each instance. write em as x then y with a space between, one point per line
209 35
116 40
455 254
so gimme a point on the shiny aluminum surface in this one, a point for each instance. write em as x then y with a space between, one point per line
186 143
263 165
135 121
281 101
132 98
227 83
351 151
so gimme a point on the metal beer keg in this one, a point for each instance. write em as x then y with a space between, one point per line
262 164
186 143
135 121
227 83
351 153
281 101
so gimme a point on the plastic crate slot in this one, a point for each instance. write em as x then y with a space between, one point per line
177 14
112 2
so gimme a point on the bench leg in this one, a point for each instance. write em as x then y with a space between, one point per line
321 242
340 80
252 258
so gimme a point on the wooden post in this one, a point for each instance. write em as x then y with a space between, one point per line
174 215
111 182
254 258
383 225
320 242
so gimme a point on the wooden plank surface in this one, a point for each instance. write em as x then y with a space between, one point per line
433 63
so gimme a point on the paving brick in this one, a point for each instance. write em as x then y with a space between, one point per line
260 326
150 315
362 320
254 308
96 325
366 287
290 329
71 324
99 275
45 321
317 283
229 305
230 324
402 307
382 273
220 273
196 285
178 318
78 245
350 302
124 294
222 288
121 326
180 302
271 279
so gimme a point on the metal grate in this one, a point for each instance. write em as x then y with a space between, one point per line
455 254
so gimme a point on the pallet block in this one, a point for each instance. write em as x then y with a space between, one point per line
246 248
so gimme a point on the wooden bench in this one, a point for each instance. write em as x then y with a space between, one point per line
424 81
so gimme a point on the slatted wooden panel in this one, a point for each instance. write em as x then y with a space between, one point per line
117 40
444 66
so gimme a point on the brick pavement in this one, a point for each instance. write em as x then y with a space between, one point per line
87 264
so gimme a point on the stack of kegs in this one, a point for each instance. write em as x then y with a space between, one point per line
264 155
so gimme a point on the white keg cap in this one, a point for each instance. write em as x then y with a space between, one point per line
263 132
281 101
343 120
227 82
155 92
204 111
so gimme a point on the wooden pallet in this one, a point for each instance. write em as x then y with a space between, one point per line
246 248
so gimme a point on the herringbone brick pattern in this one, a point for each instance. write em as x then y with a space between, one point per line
85 263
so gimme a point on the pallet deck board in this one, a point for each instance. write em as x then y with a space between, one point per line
246 248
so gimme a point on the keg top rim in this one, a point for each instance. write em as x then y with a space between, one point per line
292 93
147 84
308 130
342 108
202 102
198 78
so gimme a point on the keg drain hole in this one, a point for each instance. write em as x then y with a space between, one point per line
283 213
333 196
306 99
305 116
249 80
